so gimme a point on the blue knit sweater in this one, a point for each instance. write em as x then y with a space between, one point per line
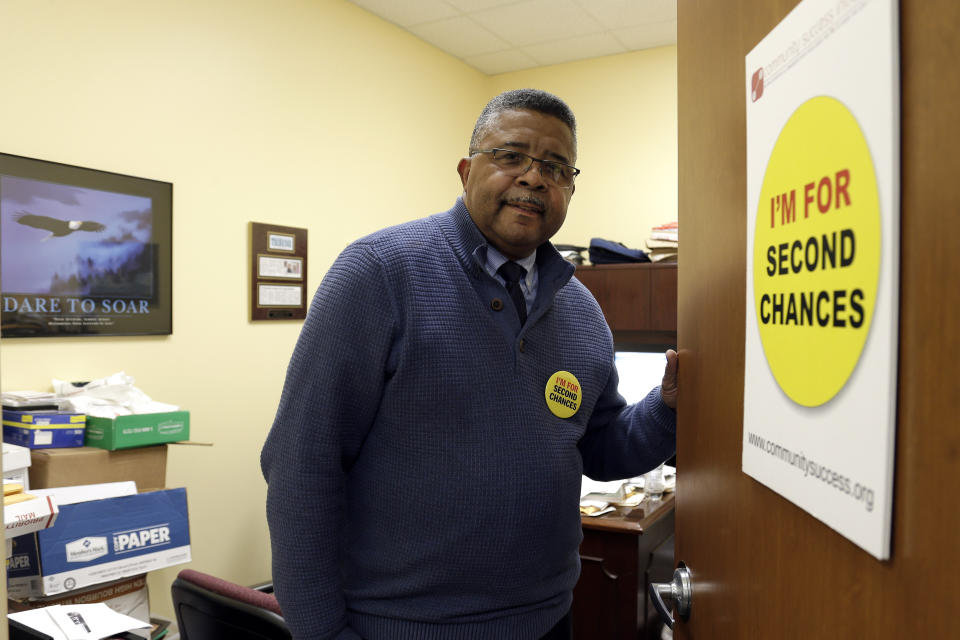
418 485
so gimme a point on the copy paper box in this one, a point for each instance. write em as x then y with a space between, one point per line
43 429
137 430
23 567
128 596
109 539
147 466
16 461
21 520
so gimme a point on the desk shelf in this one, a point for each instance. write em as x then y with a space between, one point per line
639 300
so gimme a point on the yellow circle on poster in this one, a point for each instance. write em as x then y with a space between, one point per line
563 394
816 252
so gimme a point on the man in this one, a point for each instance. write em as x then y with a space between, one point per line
425 462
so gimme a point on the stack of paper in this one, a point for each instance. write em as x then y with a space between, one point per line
663 243
108 397
30 399
78 621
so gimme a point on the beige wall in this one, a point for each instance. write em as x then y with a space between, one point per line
626 108
302 113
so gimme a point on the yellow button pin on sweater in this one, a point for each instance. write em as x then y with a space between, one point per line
563 394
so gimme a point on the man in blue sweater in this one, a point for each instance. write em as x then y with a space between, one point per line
439 409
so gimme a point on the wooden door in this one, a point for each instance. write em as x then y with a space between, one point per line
763 568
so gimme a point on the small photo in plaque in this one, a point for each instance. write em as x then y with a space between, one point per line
280 242
272 267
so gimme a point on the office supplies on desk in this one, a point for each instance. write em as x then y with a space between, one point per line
595 508
612 252
76 622
620 493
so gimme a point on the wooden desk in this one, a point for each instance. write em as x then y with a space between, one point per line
620 554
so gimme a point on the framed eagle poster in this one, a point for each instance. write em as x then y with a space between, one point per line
83 252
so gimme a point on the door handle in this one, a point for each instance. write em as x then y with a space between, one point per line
679 592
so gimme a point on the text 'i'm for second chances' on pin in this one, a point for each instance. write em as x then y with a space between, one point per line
563 394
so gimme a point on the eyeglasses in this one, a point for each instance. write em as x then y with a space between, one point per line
515 163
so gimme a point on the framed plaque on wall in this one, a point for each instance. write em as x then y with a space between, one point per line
278 272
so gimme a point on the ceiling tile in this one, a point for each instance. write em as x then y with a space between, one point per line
535 21
489 34
460 36
406 14
478 5
648 36
501 61
616 14
592 45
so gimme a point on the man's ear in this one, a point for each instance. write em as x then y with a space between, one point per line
463 168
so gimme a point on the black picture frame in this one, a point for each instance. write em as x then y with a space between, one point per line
83 252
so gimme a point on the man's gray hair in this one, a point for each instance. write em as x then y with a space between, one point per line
529 99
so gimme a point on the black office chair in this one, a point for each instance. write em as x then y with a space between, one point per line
209 608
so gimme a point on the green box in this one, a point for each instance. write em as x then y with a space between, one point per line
137 430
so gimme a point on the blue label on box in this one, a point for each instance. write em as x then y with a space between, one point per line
103 531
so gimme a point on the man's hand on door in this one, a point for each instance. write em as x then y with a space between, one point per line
668 387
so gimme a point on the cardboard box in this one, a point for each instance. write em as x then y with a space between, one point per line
103 540
23 567
43 429
87 492
147 466
137 430
21 518
16 462
128 596
23 562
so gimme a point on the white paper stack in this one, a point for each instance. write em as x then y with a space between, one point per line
78 621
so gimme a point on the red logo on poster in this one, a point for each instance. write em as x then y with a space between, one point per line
756 89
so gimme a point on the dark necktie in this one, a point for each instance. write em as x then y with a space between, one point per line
512 274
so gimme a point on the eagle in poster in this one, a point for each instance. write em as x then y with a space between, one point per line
57 227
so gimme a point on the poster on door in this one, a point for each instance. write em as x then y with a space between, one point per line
823 219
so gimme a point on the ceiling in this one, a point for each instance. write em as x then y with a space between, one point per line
496 36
